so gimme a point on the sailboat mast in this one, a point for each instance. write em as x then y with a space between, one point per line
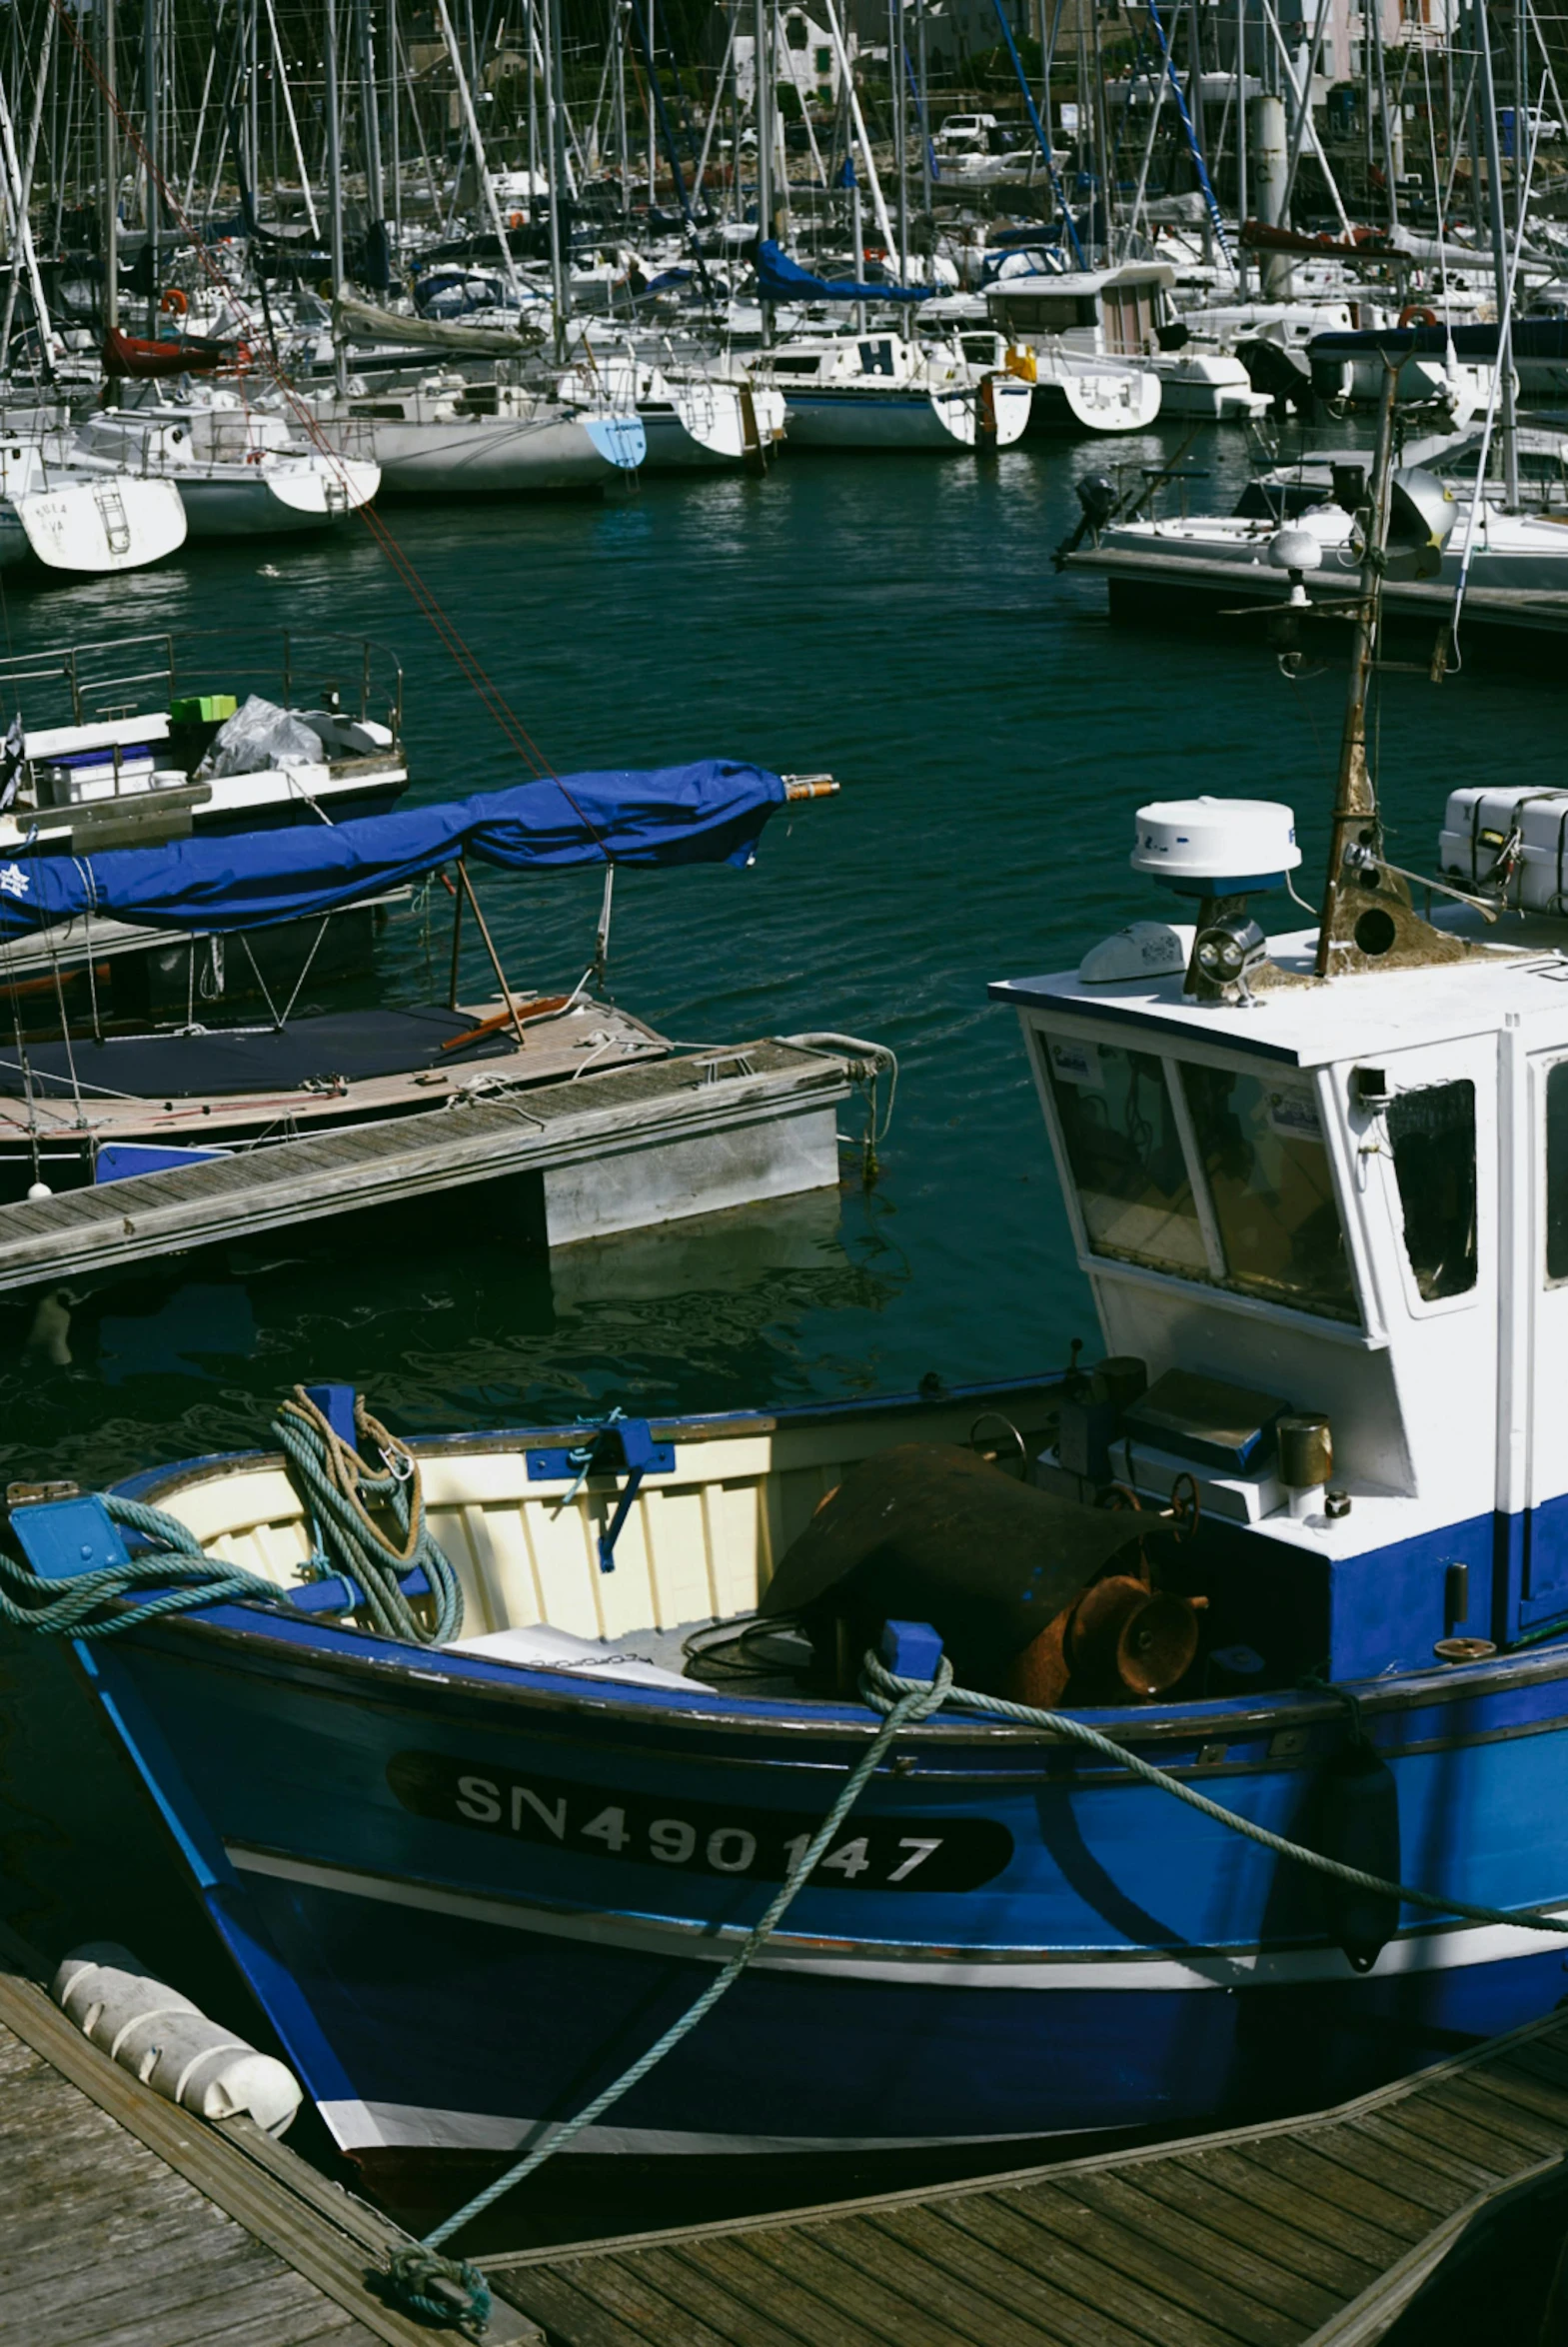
557 275
1487 98
111 257
334 190
151 128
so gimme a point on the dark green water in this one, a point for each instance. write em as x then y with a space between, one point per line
897 622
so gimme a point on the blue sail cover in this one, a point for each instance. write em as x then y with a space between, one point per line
779 279
709 812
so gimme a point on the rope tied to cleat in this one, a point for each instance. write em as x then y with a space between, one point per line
377 1550
174 1576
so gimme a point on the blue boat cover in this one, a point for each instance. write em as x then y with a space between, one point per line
709 812
779 279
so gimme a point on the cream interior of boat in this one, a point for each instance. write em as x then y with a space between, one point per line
699 1546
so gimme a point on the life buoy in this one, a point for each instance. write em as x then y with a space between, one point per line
517 220
173 303
1417 313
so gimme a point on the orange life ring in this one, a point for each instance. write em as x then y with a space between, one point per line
173 303
1417 313
517 220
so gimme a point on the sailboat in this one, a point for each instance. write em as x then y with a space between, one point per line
239 470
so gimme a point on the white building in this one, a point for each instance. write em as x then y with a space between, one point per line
805 59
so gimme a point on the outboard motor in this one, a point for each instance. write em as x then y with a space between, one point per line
1097 502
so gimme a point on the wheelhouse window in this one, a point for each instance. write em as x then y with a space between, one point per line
1432 1134
1125 1147
1557 1171
1209 1174
1273 1189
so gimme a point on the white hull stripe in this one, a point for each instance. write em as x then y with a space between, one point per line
402 2126
1444 1949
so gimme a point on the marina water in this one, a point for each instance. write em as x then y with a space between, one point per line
896 623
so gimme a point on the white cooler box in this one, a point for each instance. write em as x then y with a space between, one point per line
1478 826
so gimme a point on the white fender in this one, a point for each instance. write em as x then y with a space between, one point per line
168 2042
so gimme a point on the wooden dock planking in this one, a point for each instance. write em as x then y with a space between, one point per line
131 2223
1308 2232
645 1106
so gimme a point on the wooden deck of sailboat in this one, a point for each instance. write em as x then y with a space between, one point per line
621 1147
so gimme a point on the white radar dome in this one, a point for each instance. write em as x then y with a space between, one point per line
1217 846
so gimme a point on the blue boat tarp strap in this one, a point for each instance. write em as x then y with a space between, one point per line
779 279
709 813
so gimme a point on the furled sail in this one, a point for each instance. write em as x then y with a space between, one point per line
441 334
709 813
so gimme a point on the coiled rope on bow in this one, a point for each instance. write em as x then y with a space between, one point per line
340 1490
920 1700
177 1572
884 1689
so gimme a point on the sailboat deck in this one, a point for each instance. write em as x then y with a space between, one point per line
558 1048
1308 2232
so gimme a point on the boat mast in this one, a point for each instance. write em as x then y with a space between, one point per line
151 211
25 252
1494 206
558 272
111 239
340 358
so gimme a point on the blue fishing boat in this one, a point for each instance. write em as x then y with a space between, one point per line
1211 1703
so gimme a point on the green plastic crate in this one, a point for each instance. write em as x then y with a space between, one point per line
202 709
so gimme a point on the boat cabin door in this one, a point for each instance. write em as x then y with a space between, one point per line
1541 1300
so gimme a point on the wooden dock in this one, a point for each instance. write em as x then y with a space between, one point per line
130 2223
1315 2232
631 1148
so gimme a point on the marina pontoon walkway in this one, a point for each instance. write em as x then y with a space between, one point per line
131 2223
1313 2232
719 1121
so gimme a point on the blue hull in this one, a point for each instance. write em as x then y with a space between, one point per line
468 1895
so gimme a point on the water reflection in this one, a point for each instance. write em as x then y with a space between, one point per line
445 1317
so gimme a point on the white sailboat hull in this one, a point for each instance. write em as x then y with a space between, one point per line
1095 397
1207 385
500 455
93 528
234 501
904 416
